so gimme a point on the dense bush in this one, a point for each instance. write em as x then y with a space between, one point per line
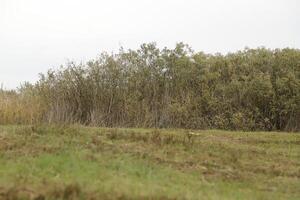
253 89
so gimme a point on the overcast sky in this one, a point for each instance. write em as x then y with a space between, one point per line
36 35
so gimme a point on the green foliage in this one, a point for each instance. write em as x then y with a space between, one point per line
253 89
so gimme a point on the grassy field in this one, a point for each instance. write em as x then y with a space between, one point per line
74 162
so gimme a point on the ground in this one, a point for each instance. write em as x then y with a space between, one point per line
75 162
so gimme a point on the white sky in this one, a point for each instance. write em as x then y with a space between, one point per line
36 35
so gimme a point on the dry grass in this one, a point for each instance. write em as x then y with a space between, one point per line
19 109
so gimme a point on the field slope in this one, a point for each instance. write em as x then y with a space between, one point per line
74 162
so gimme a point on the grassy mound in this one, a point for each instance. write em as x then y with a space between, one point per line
74 162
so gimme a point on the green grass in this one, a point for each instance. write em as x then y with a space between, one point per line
74 162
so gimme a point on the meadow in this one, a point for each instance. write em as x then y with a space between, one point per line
78 162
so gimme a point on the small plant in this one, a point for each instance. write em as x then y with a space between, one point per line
169 139
72 192
113 134
155 137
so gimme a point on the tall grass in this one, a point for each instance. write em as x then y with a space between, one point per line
21 107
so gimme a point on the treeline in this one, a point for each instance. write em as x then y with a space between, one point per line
253 89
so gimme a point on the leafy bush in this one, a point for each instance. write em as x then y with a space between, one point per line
253 89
